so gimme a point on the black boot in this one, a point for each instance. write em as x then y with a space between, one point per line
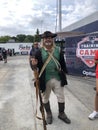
95 88
62 114
49 118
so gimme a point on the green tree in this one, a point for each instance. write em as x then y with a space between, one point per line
29 38
21 37
4 39
15 38
37 37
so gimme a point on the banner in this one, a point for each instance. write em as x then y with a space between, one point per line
79 53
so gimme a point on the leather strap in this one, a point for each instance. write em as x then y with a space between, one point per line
56 61
45 64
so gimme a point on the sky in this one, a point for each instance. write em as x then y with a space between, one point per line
26 16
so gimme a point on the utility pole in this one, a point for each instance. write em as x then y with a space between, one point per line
59 12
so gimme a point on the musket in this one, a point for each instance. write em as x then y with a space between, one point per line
38 93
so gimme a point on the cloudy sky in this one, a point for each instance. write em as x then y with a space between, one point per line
25 16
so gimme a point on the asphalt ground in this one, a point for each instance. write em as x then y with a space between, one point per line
18 99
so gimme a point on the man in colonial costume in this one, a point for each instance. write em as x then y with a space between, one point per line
52 75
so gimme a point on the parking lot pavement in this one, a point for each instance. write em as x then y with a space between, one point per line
18 100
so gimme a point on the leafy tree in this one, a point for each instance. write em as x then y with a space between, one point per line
29 38
15 38
37 32
21 37
4 39
37 37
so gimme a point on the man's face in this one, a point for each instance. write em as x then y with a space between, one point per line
48 41
36 45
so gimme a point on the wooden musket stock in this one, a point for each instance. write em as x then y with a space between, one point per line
38 93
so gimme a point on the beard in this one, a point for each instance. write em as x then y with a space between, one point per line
48 45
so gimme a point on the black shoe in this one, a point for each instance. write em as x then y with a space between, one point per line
95 88
64 118
49 118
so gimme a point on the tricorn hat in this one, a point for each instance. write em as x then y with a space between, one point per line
48 34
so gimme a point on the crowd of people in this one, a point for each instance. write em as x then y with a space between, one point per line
49 61
4 53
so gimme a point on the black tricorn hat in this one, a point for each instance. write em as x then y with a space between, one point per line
48 34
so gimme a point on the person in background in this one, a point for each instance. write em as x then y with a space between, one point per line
50 63
94 114
4 54
34 49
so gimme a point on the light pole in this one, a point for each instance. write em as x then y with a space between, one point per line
60 17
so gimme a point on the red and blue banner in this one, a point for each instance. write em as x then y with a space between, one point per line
79 53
